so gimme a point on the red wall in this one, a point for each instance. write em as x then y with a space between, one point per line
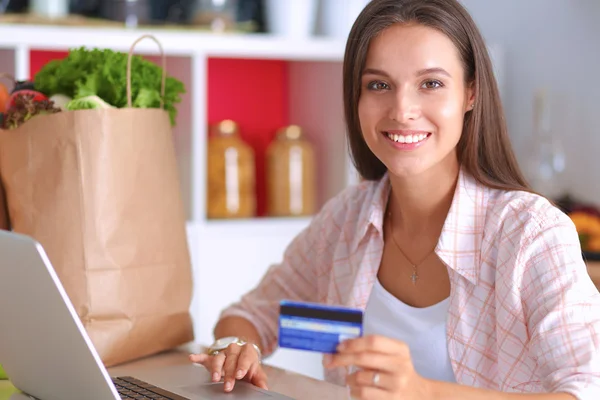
254 93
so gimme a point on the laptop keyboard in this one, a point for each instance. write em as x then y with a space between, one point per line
131 388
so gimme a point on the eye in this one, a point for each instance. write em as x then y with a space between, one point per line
432 84
377 86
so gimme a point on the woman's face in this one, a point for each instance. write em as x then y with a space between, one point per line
413 99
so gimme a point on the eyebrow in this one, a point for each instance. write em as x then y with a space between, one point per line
435 70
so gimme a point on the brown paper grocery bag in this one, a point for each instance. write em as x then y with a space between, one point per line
99 189
4 221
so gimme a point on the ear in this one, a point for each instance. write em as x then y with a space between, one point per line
470 97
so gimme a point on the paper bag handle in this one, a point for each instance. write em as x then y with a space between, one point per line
164 69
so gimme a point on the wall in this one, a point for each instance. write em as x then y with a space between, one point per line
551 43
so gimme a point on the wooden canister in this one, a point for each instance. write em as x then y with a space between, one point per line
231 174
291 180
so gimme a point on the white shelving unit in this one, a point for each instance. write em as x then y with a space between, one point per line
229 257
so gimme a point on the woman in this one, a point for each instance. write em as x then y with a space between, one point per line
472 285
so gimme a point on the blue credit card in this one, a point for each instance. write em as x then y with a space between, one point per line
317 327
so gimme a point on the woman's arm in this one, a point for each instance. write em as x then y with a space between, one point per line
451 391
295 278
254 318
240 327
386 372
561 307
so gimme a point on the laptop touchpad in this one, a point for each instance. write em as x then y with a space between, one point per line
215 391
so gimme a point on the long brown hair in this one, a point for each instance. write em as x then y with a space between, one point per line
484 148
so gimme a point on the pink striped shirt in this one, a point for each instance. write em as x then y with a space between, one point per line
524 314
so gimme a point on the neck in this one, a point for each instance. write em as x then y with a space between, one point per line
420 204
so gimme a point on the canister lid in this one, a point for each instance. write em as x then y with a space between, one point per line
292 132
226 127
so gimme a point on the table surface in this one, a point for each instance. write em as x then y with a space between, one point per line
291 384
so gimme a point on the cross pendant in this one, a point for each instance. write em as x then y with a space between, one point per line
414 277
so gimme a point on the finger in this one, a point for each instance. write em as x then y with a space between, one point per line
366 360
230 366
204 359
259 377
247 358
199 358
367 393
374 343
371 378
216 366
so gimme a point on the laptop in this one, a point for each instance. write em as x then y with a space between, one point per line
46 352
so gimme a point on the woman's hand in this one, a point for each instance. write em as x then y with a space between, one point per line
386 369
235 362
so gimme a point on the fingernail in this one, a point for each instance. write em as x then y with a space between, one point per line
240 374
228 386
216 376
341 346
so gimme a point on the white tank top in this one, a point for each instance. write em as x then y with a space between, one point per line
422 329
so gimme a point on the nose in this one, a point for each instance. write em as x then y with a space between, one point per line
406 107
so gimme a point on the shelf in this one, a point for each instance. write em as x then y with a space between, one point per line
174 42
251 227
261 81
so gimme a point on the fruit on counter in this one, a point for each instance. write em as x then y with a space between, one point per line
9 392
588 227
87 103
25 107
4 97
586 217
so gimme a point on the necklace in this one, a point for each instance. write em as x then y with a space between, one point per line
415 275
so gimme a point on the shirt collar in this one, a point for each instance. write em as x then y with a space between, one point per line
372 212
459 246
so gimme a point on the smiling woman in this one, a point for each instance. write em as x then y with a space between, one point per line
413 95
471 284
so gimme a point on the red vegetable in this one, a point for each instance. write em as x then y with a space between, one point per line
35 96
26 108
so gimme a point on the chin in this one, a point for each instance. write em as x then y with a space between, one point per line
405 170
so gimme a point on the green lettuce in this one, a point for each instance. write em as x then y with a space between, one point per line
103 73
87 103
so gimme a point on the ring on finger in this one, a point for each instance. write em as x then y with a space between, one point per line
376 378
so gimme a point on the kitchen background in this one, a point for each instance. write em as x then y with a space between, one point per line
269 64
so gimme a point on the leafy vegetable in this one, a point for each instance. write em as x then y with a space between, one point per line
25 107
87 103
103 73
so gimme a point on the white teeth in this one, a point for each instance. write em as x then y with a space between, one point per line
408 138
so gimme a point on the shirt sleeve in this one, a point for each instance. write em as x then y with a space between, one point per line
295 278
562 307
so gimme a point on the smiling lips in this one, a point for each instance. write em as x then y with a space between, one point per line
407 140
